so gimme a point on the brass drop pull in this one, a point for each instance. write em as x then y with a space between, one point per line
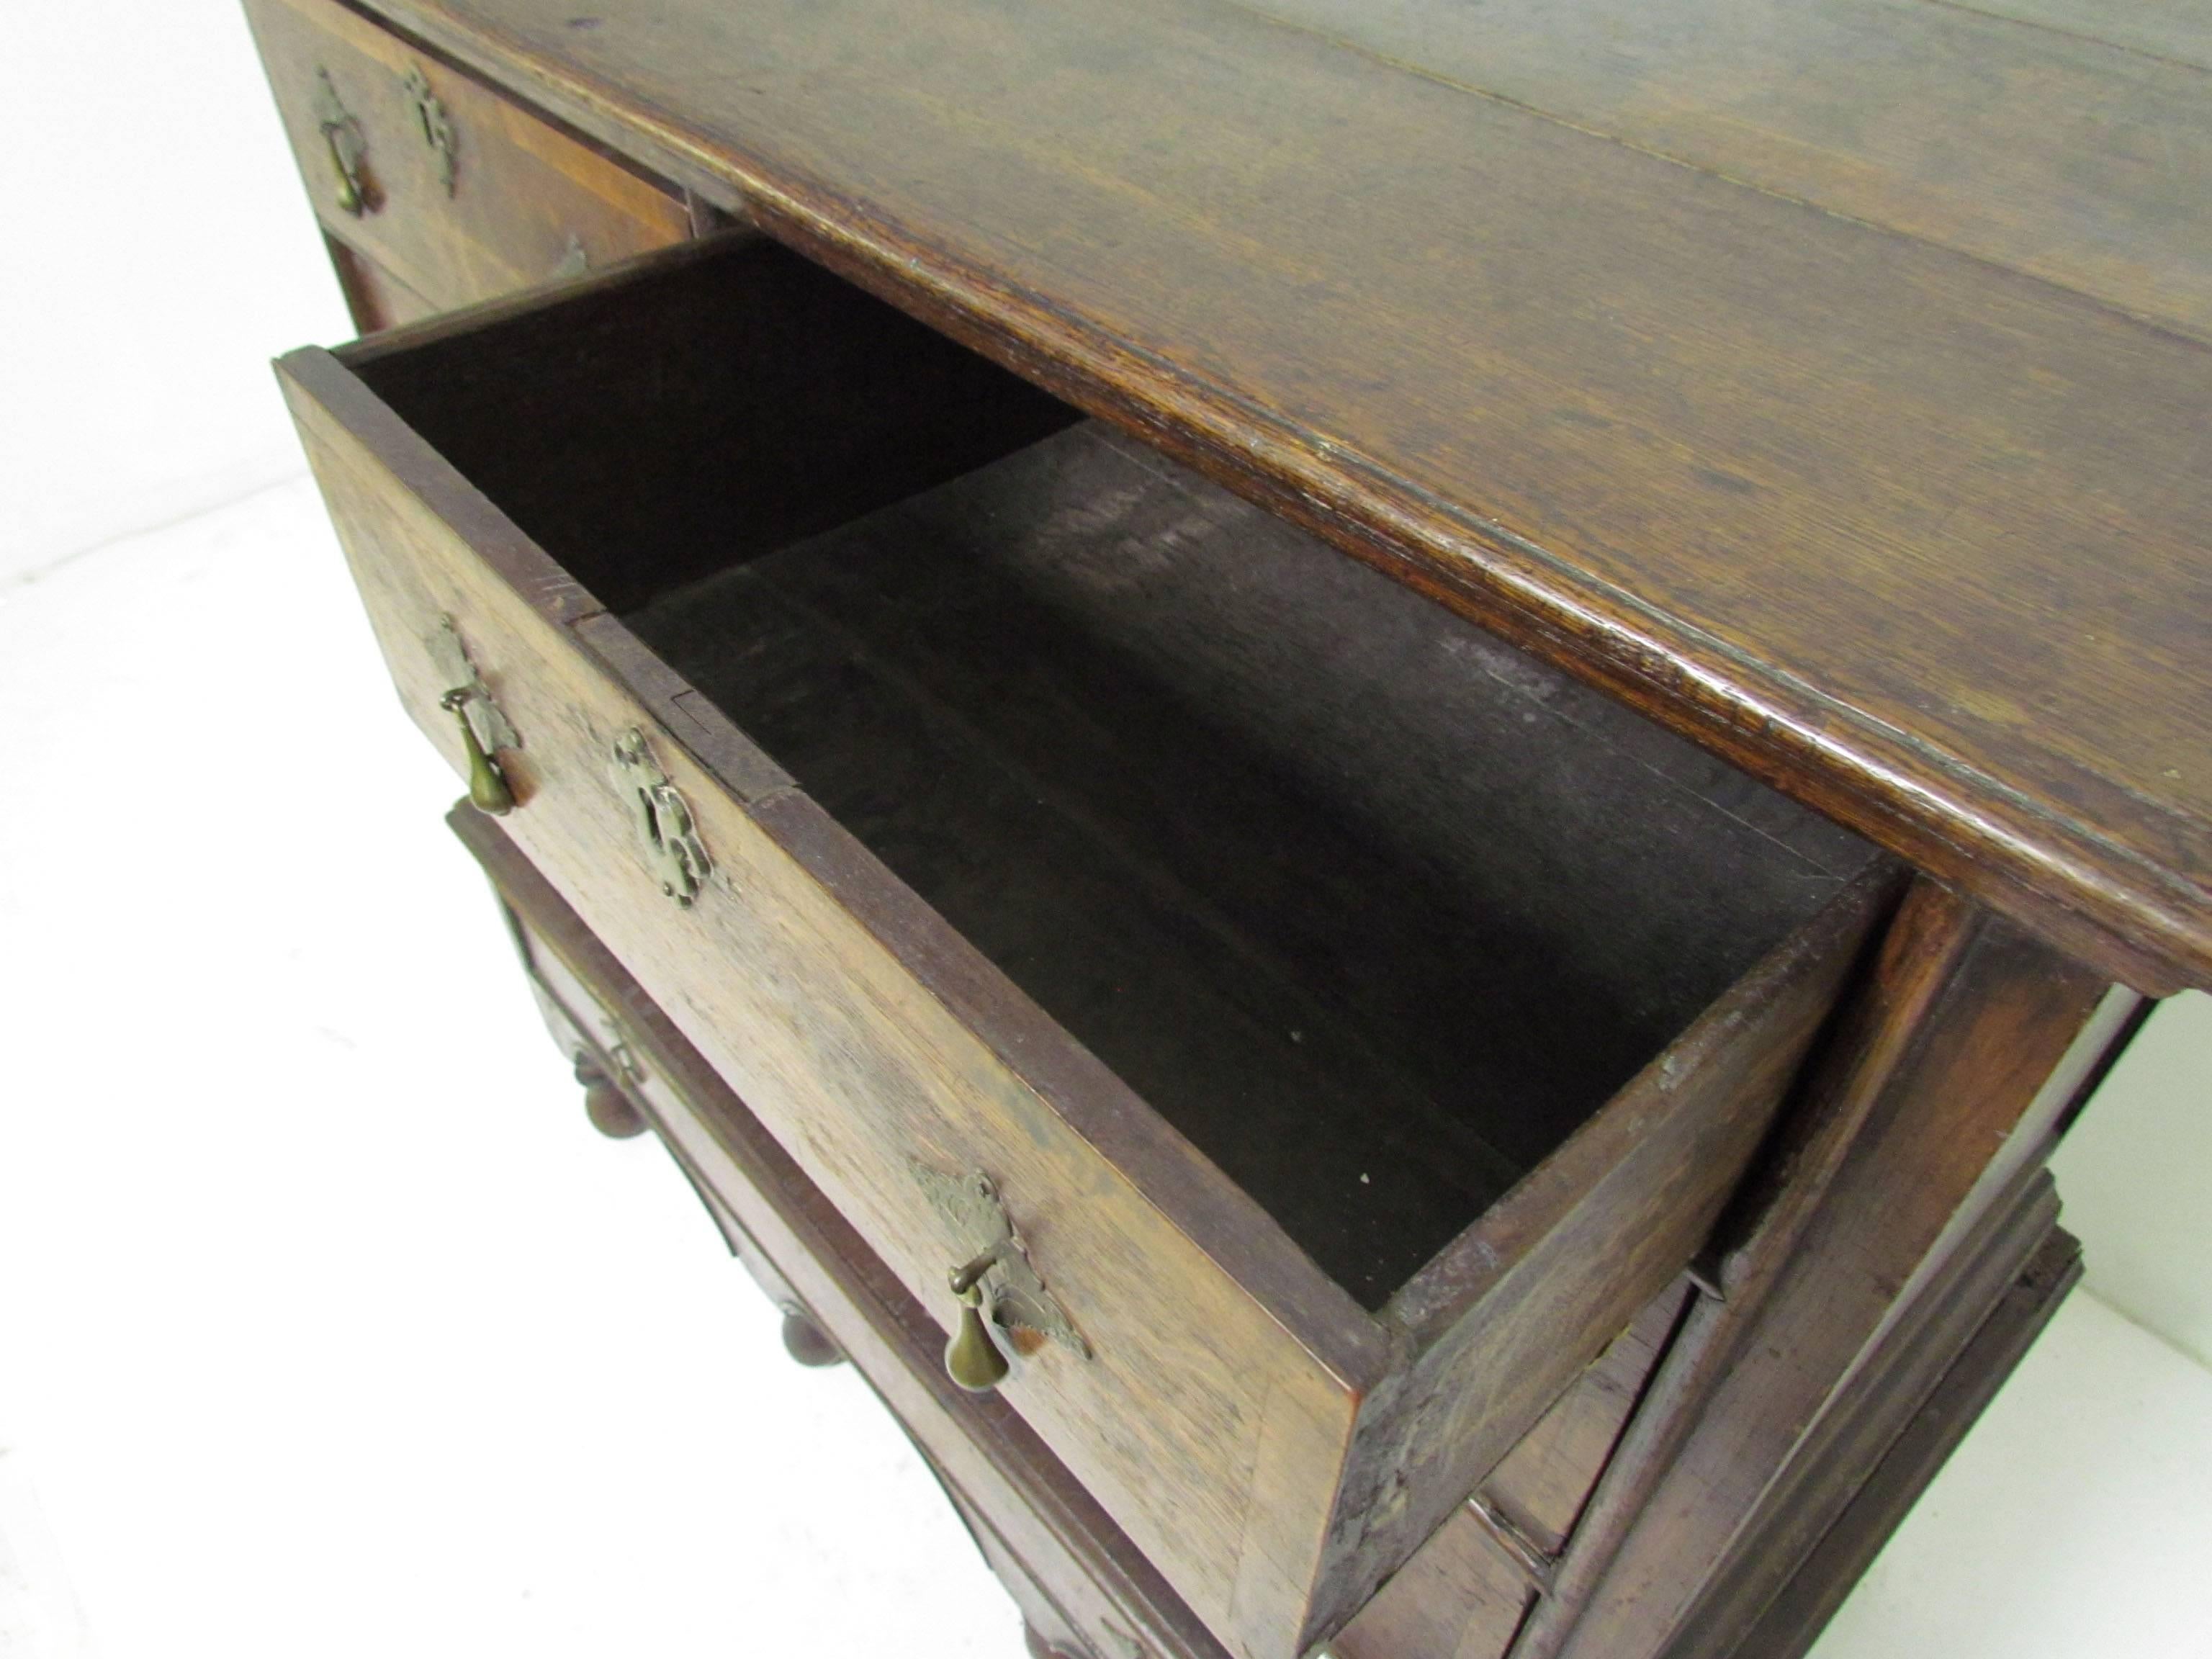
972 1359
485 728
488 790
342 133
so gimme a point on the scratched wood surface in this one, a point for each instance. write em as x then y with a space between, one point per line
1916 533
977 1443
1970 1096
1464 1592
1222 1477
528 201
1240 1406
2038 150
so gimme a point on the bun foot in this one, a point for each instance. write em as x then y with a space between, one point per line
807 1342
1042 1647
607 1106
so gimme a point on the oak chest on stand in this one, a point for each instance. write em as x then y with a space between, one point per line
1371 815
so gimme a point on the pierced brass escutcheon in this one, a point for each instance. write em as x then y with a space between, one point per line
1005 1307
437 125
662 819
349 151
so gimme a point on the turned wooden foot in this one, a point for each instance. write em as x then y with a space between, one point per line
1041 1647
607 1106
807 1342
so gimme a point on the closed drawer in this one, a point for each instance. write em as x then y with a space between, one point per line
377 299
453 190
1357 1023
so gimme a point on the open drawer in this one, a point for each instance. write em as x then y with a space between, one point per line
1356 1022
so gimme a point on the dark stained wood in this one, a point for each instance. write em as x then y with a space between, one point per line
374 298
606 1106
2043 151
978 1444
874 1040
1544 1484
873 1036
1793 1619
1461 1597
807 1342
1557 1269
1862 1058
1968 1103
1856 431
1881 1401
529 202
1246 880
697 410
1916 536
1464 1592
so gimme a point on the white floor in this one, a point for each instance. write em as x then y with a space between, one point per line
327 1327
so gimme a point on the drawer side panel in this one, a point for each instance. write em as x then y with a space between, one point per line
1537 1289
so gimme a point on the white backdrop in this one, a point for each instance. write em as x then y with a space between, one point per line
159 250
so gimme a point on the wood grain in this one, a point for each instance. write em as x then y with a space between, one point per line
1544 1481
2039 150
1791 1622
1198 1400
1261 794
2176 29
873 1038
1505 1317
529 202
375 299
1884 1397
984 1451
1461 1597
1983 1068
1918 537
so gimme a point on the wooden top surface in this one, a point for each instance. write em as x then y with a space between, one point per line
1833 379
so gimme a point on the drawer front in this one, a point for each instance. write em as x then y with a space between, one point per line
1056 1534
453 191
376 298
873 1042
1275 1448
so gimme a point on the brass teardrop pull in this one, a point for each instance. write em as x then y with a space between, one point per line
353 193
972 1359
488 790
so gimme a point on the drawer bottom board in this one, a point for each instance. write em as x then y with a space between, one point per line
1300 856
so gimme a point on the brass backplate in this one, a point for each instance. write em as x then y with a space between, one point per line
666 834
437 126
1014 1294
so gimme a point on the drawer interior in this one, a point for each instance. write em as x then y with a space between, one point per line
1372 907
